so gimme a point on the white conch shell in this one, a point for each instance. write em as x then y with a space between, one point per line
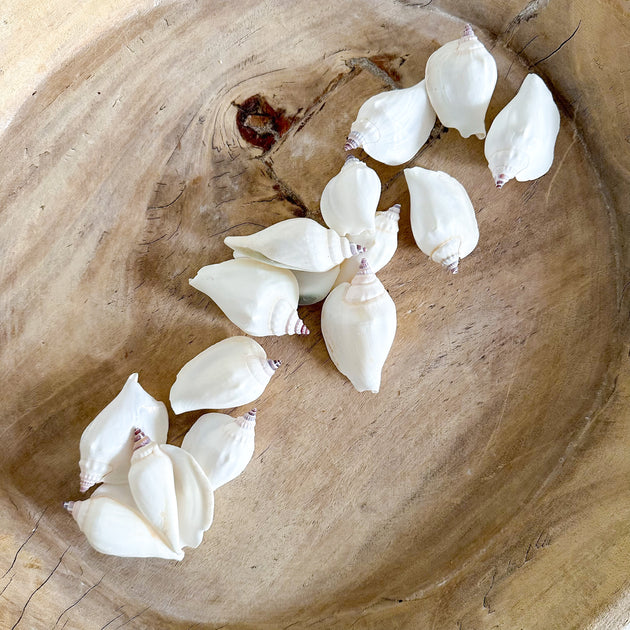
392 126
350 199
195 499
115 528
380 249
260 299
460 77
230 373
107 442
442 216
522 137
301 244
358 326
314 286
152 485
222 445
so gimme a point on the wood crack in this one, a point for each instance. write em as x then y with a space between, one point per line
78 600
568 39
39 588
24 543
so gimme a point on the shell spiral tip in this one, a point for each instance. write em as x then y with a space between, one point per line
364 267
501 180
351 158
274 364
468 32
140 439
68 505
300 328
395 208
251 415
353 141
357 249
453 267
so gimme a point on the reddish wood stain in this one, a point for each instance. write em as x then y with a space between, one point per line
259 123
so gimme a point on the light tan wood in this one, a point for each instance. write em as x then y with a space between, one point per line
485 486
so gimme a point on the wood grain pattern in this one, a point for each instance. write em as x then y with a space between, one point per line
484 486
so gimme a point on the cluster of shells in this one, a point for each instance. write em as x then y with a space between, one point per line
156 498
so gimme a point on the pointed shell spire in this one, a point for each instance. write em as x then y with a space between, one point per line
354 140
247 420
140 439
501 179
273 365
364 269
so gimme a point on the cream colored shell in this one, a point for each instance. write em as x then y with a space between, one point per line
391 127
116 528
228 374
107 442
350 199
442 216
195 499
192 517
460 79
521 139
152 485
300 244
359 326
314 286
260 299
222 445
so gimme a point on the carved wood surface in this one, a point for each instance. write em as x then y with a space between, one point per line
485 486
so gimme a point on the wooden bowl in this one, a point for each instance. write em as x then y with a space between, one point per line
485 486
